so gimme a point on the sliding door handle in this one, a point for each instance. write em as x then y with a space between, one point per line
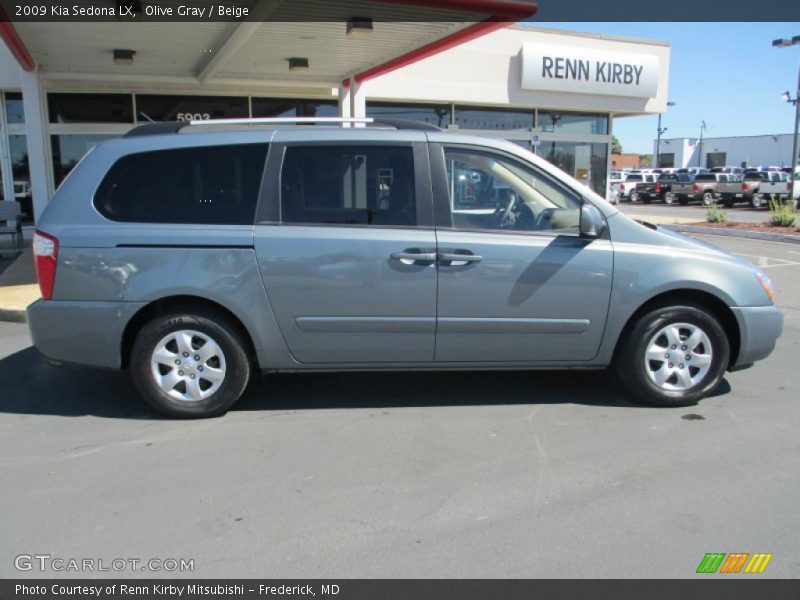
456 259
411 258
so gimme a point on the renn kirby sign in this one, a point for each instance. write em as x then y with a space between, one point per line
554 68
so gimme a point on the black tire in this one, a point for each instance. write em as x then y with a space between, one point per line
220 331
630 365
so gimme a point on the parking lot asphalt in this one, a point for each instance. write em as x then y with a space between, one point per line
546 474
695 211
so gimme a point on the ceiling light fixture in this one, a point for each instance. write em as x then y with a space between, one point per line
359 26
298 63
123 57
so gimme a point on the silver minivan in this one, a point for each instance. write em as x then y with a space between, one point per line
194 255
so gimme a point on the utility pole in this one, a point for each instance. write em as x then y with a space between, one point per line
656 163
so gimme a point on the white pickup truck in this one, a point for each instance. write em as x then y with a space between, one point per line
775 185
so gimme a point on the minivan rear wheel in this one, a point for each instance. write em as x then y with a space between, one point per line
673 355
189 364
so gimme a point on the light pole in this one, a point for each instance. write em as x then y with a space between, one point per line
658 140
787 97
703 127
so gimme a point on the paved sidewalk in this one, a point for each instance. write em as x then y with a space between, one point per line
18 287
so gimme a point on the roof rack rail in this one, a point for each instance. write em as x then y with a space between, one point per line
407 125
157 128
167 127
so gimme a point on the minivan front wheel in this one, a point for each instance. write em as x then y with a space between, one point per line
673 355
189 364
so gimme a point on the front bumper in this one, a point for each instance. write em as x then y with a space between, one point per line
88 333
759 329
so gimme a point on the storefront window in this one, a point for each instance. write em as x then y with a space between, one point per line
438 114
585 162
69 149
15 112
289 107
150 107
18 149
576 123
499 120
90 108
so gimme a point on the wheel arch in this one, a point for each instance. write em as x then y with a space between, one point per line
708 300
167 304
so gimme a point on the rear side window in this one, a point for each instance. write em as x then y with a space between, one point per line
208 185
705 177
348 185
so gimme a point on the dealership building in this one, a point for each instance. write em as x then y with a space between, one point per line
68 86
771 150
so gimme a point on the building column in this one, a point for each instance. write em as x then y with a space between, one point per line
344 103
34 104
358 101
5 156
609 158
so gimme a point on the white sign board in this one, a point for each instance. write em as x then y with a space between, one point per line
556 68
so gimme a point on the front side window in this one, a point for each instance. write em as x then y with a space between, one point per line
214 185
348 185
489 191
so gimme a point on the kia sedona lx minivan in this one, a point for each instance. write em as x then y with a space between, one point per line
194 255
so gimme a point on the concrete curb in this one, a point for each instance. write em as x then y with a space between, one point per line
11 315
753 235
15 299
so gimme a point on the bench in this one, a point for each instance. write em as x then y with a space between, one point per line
11 221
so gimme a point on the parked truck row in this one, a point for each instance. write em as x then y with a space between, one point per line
723 185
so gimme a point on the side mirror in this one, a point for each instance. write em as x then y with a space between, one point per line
593 223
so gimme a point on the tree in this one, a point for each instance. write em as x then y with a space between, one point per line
616 146
645 161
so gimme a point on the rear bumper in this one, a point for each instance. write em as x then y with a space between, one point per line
759 329
88 333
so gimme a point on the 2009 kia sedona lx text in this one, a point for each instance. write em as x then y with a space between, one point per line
194 257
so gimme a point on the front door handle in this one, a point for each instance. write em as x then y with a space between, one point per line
414 256
458 259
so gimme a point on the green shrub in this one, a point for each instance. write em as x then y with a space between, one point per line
715 215
782 214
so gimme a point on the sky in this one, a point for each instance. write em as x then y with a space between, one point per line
726 74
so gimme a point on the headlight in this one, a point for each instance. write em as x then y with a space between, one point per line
765 283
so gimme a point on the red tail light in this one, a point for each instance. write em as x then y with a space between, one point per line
621 187
744 187
45 254
658 188
788 187
695 188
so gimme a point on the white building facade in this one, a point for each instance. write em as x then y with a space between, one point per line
744 151
553 92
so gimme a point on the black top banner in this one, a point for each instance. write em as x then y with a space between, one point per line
394 11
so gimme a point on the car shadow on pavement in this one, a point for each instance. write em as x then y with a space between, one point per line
31 386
